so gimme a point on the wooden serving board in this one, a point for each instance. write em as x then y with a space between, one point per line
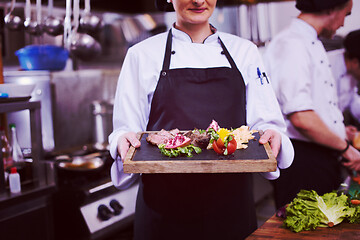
273 229
148 159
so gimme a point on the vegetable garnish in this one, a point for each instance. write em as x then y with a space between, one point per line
175 152
223 142
309 210
355 201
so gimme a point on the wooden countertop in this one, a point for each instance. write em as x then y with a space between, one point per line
273 229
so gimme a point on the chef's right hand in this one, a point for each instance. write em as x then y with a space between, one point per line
125 141
352 155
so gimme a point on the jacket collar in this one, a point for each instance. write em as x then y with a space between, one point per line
182 36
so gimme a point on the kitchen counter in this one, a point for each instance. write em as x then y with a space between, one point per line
273 229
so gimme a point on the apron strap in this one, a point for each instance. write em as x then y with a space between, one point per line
166 63
227 55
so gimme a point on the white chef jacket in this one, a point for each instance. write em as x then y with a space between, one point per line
141 70
300 73
346 84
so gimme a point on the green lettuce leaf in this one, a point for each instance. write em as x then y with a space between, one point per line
175 152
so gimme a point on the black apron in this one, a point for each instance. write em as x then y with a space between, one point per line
196 206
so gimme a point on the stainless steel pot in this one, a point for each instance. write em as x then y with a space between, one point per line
102 122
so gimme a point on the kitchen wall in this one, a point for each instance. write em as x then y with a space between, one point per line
74 94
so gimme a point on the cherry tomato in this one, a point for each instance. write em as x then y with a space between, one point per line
355 201
231 147
219 147
220 143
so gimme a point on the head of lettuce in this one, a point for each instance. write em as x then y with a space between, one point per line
309 210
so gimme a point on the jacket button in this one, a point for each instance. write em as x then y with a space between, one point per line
163 74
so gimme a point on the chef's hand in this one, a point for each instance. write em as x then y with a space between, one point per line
274 139
125 141
352 156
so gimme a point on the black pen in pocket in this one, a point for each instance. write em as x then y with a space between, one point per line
264 74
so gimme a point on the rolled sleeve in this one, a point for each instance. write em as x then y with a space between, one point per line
290 73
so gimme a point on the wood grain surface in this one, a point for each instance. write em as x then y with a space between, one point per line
148 159
273 229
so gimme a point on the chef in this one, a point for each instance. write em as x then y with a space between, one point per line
183 79
345 65
306 90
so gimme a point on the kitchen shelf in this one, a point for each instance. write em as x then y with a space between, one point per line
31 208
36 138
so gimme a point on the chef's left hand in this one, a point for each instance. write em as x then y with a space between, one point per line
274 139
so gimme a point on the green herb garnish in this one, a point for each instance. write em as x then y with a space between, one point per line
175 152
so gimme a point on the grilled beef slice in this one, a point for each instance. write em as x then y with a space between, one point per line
161 137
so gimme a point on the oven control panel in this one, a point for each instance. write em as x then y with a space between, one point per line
110 209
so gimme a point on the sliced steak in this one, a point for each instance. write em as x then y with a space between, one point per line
157 139
174 132
162 137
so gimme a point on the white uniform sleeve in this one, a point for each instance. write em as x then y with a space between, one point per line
120 179
263 112
128 115
285 158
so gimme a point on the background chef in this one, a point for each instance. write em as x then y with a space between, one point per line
183 79
345 65
306 90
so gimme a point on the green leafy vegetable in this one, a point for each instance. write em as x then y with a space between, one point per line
309 210
213 134
355 218
175 152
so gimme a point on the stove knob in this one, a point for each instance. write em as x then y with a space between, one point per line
116 206
104 213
